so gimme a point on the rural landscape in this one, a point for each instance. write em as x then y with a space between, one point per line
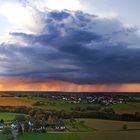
72 116
69 70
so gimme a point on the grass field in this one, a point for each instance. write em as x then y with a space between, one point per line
108 125
59 104
105 130
50 136
112 135
78 126
126 108
7 116
120 135
50 104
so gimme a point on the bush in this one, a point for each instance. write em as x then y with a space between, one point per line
43 130
125 127
82 122
7 131
20 118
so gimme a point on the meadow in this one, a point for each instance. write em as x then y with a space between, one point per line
109 125
112 135
99 130
50 136
49 103
7 116
59 104
130 107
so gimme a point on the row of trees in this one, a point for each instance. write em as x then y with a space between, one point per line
106 113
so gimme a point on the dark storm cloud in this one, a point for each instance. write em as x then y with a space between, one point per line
76 47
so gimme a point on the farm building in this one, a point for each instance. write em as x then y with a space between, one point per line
1 126
60 126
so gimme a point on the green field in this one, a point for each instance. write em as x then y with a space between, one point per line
59 104
126 108
118 135
7 116
108 125
112 135
54 104
101 130
50 136
78 126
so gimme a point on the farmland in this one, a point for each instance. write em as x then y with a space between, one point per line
49 103
50 137
108 125
102 130
12 101
130 107
112 135
78 114
59 104
8 116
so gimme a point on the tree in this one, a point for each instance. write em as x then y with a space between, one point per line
125 127
8 133
26 127
2 121
52 120
36 125
20 131
20 118
82 122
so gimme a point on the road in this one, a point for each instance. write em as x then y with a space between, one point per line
14 133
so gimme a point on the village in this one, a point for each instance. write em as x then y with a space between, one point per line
23 124
102 99
38 121
62 113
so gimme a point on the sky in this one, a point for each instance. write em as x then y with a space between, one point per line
70 45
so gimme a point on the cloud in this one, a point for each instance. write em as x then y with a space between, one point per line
75 47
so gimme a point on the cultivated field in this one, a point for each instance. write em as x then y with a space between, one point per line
108 125
49 103
117 135
59 104
13 101
101 130
128 135
126 108
112 135
7 116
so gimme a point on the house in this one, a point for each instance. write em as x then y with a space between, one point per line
60 126
14 126
1 126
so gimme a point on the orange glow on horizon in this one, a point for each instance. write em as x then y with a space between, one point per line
66 86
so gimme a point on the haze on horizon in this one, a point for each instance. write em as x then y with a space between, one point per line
70 45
